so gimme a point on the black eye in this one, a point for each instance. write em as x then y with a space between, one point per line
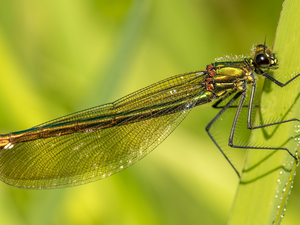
262 60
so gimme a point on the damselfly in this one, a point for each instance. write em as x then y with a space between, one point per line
95 143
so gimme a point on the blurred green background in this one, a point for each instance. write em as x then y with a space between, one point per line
58 57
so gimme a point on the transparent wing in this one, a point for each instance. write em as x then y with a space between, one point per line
80 158
169 90
83 157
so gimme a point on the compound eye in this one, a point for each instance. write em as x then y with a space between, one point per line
262 60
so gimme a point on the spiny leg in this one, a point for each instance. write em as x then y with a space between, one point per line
242 100
209 125
249 122
277 82
220 100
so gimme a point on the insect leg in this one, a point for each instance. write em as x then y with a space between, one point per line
209 125
277 82
249 122
216 104
242 100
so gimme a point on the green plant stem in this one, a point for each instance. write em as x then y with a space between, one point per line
267 176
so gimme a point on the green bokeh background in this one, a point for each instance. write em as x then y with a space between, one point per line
58 57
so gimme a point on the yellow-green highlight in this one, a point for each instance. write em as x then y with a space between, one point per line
64 56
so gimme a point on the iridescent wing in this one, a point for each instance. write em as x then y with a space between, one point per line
83 157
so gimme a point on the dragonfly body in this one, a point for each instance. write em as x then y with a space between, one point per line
95 143
199 87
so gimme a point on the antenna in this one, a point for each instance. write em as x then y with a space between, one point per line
265 43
